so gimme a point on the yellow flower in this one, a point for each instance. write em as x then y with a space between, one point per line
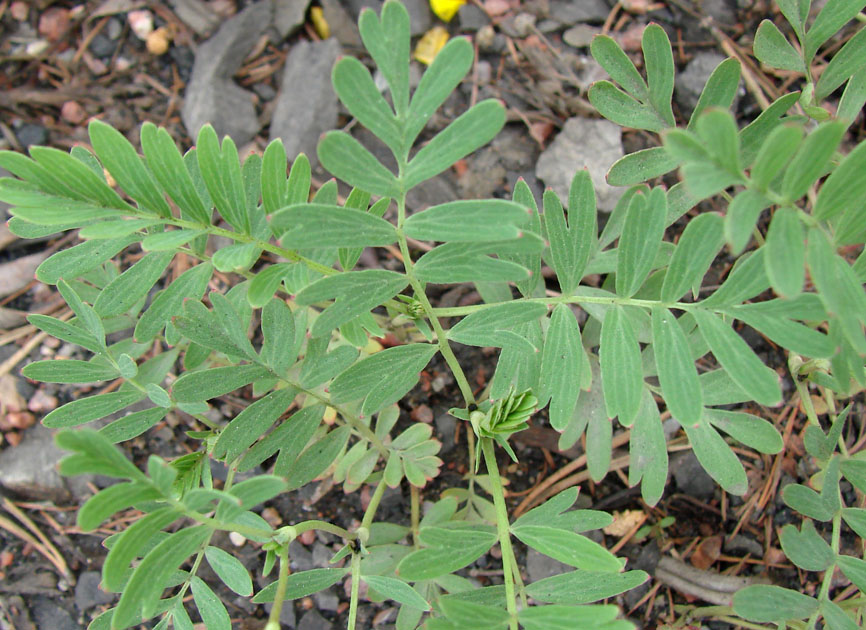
446 9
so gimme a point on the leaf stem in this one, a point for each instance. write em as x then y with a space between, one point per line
502 525
353 598
824 593
280 595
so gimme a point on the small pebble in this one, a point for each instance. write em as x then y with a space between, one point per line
102 45
29 134
36 48
237 539
158 42
53 23
484 38
41 402
524 23
19 11
141 23
422 413
114 28
580 35
20 419
73 113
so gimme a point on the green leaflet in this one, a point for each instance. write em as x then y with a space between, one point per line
354 292
752 431
133 284
676 369
493 326
252 422
141 596
382 378
190 284
561 363
648 450
741 363
659 62
447 551
221 173
130 544
470 131
472 221
641 166
720 89
387 41
122 161
112 500
568 547
806 548
440 79
344 156
697 248
78 260
212 611
397 590
572 244
302 584
641 237
717 458
811 159
773 49
85 410
330 226
289 438
355 88
207 384
764 603
69 371
559 617
621 372
167 166
317 457
583 587
844 187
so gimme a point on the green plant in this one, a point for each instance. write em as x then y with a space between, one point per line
312 321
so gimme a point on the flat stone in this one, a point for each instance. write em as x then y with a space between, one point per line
327 600
580 35
569 12
300 557
539 566
690 82
87 591
47 614
471 17
306 106
289 16
29 134
583 143
420 19
30 468
343 27
212 96
312 620
690 476
196 15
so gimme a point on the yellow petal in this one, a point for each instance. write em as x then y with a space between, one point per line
430 44
446 9
320 24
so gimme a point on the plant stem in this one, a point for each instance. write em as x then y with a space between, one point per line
415 512
356 583
280 595
824 593
370 512
502 526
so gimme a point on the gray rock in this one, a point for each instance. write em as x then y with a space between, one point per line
445 425
314 621
569 12
321 554
29 134
196 15
287 614
211 96
539 566
343 27
580 35
306 106
690 82
722 11
327 600
419 15
289 16
472 17
583 143
102 46
691 478
31 467
300 557
47 614
430 193
87 591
